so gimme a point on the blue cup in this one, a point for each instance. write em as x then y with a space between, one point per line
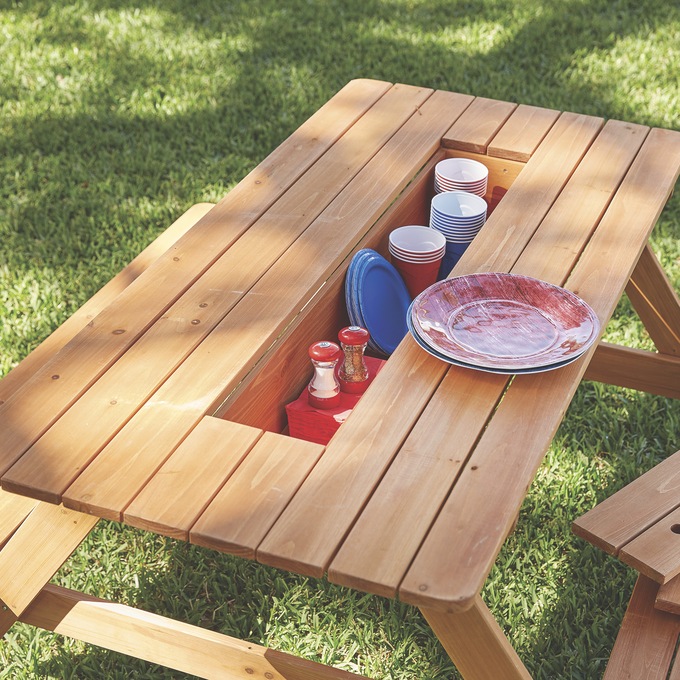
454 251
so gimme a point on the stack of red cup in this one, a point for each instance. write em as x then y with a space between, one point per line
417 252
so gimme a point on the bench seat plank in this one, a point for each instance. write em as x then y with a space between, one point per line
53 388
656 552
630 511
668 596
115 477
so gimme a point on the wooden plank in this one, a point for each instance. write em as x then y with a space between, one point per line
260 399
617 520
255 495
425 461
502 174
414 487
110 403
192 476
474 521
513 223
374 564
476 644
522 132
645 645
656 303
636 369
37 549
372 434
171 644
83 359
259 319
562 236
89 310
13 511
668 596
475 129
656 552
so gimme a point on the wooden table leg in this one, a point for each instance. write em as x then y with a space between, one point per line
656 303
36 550
476 644
658 307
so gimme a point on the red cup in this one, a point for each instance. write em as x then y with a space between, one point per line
417 275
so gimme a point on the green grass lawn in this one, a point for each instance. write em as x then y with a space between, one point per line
117 116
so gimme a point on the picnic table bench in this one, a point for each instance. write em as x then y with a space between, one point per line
164 409
640 524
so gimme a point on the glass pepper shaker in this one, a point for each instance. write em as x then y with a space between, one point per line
323 390
353 373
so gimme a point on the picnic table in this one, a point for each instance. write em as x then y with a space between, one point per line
162 404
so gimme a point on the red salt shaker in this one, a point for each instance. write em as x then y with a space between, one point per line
353 372
323 390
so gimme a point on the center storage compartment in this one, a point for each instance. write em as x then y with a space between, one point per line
284 372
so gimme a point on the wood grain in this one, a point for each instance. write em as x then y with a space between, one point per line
192 476
522 133
53 388
656 303
263 314
646 643
118 395
477 516
102 298
478 125
372 436
249 503
476 644
656 552
169 643
668 596
631 510
636 369
43 542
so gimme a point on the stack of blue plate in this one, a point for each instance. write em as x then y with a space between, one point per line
377 299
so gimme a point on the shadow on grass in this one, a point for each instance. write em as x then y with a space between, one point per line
93 164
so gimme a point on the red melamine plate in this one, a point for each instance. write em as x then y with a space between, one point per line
506 321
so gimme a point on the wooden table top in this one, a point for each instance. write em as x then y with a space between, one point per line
166 409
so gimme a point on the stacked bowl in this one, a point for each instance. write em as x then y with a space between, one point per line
461 174
417 253
458 216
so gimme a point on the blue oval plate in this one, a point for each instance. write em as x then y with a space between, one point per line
383 301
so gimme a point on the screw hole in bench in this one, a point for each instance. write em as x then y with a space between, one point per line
675 528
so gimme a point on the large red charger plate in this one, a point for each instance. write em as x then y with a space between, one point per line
506 321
